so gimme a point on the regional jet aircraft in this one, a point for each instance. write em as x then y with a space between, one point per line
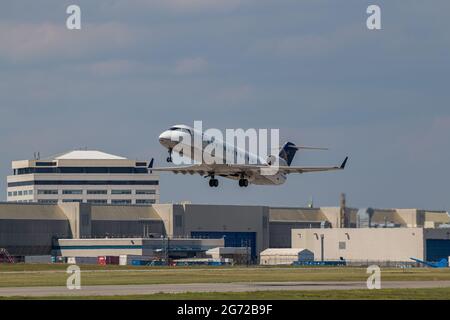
252 171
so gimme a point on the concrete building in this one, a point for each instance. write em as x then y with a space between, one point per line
374 244
86 176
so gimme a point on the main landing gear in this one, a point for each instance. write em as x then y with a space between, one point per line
213 182
243 182
169 158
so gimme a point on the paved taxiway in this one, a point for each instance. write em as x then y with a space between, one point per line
112 290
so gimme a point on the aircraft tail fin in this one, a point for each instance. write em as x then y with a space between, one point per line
287 152
150 165
443 263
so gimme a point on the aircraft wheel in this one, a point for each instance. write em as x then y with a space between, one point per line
213 182
245 183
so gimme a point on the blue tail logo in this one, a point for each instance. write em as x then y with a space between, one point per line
287 152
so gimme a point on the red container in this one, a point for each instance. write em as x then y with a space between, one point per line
101 260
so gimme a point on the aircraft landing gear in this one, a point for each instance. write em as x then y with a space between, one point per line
213 182
243 182
169 158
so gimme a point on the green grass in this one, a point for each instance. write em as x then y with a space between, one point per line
383 294
27 275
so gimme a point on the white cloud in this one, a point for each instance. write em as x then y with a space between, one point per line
27 42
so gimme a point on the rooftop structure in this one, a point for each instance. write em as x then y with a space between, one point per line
85 176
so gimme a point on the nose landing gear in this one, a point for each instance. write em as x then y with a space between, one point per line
169 158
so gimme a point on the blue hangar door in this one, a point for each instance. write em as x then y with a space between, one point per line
231 239
437 249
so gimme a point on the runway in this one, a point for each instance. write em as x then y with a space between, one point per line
116 290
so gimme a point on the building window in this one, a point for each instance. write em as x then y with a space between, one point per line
145 191
84 182
47 201
120 191
342 245
72 200
46 191
121 201
97 201
30 192
97 192
145 201
19 193
10 194
82 170
141 164
45 164
72 192
15 193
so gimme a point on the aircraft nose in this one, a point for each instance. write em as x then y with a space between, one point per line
165 138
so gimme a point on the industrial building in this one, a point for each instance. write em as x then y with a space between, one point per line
33 229
285 219
377 245
85 176
30 229
140 247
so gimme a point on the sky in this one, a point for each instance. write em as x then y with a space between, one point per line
309 68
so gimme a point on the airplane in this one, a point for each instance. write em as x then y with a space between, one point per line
443 263
250 172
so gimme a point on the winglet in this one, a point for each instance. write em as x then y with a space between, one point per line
150 165
344 163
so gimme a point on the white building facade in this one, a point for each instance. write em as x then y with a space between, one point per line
85 176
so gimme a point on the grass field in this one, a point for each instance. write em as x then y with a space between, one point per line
383 294
27 275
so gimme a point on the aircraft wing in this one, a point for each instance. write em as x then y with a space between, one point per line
291 169
238 169
217 169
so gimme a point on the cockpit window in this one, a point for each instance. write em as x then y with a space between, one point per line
181 129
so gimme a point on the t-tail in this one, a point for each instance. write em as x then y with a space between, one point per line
287 152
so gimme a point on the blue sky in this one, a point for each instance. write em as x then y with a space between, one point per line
309 68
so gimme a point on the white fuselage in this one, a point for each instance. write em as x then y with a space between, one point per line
185 137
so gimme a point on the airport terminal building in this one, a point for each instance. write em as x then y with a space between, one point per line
84 176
